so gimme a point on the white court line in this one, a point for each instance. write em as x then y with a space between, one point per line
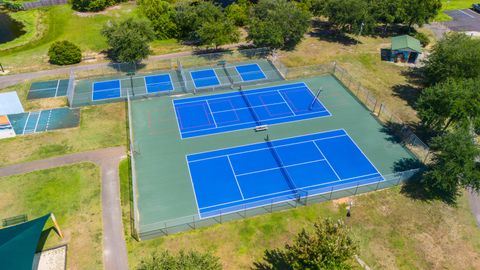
246 108
469 15
289 191
235 176
237 94
249 122
38 120
263 149
278 91
193 187
286 138
56 89
213 117
330 165
48 120
41 89
25 126
277 168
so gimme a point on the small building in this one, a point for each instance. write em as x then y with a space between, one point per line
404 49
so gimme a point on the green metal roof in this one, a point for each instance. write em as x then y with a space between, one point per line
406 42
18 244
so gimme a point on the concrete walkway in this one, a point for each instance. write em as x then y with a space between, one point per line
115 255
474 199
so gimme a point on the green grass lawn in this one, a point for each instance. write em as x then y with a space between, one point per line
393 232
72 193
100 127
47 25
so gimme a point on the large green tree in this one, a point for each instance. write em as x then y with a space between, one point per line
128 39
420 12
453 164
218 33
457 56
278 24
238 12
190 260
162 15
451 102
192 14
349 15
328 246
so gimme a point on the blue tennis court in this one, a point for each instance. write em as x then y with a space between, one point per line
213 114
204 78
258 174
106 90
250 72
158 83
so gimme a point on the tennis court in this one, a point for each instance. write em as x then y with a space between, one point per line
225 180
204 78
158 83
250 72
48 89
246 109
112 89
41 121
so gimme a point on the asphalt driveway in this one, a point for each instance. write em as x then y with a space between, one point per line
463 20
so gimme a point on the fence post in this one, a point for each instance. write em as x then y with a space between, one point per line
331 193
194 225
378 183
356 189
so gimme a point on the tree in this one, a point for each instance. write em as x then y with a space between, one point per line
184 260
420 12
191 15
238 12
453 164
162 16
349 15
278 24
93 5
64 53
457 56
329 246
128 39
454 101
218 33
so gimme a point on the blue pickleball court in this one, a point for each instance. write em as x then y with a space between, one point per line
158 83
200 116
250 72
106 90
250 176
204 78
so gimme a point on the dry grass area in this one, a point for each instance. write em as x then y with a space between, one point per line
100 127
72 193
387 81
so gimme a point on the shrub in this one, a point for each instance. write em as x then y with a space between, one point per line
64 53
93 5
13 6
423 38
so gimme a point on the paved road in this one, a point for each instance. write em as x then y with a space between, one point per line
114 249
463 20
13 79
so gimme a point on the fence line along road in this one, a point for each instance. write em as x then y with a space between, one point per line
9 80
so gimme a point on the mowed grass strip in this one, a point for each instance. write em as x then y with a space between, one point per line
100 127
393 232
72 193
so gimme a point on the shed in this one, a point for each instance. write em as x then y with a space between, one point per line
404 49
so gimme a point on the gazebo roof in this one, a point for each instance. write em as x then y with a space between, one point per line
18 244
406 42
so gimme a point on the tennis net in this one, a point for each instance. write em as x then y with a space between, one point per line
285 173
250 108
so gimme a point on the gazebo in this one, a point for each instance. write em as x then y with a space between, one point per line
404 49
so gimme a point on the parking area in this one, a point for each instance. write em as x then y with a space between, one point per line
463 20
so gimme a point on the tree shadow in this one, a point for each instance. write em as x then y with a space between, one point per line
211 53
399 132
407 92
420 188
324 31
272 260
391 30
